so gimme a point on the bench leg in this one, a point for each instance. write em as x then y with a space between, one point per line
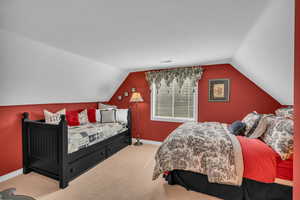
63 184
26 170
130 141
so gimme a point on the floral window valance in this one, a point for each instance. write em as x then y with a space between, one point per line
178 74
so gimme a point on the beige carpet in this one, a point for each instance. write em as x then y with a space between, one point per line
124 176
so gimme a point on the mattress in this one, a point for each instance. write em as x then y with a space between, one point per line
80 137
284 169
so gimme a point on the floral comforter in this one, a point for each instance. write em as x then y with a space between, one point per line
207 148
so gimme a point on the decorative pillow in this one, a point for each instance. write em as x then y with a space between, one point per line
285 112
262 126
108 116
106 106
121 115
92 115
280 136
237 128
83 117
53 118
251 120
98 115
72 118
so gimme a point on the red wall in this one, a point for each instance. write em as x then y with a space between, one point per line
297 106
10 130
245 97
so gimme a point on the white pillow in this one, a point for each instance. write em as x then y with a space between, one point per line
83 117
98 115
108 116
53 118
122 115
106 106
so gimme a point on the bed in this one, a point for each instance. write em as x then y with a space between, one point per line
207 158
63 153
249 190
256 184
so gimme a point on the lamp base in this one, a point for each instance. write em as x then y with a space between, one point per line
138 142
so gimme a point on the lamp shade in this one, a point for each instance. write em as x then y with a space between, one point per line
136 97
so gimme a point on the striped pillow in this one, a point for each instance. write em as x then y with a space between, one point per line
263 125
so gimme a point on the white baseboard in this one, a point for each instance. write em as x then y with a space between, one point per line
148 141
11 175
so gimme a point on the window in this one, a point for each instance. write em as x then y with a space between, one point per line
173 104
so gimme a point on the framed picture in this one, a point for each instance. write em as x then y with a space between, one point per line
119 98
219 90
126 94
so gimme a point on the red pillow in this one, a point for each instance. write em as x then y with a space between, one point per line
92 115
72 118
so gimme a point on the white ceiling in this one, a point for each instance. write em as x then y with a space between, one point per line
137 34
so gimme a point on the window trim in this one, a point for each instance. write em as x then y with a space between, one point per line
174 119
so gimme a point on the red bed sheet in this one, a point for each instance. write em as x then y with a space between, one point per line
284 169
259 160
262 163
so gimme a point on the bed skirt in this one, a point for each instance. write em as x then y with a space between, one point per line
250 190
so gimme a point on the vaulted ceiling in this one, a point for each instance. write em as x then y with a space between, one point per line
136 35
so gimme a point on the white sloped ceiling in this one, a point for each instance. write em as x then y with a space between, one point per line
34 73
61 46
267 54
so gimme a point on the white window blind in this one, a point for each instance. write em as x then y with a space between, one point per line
171 103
